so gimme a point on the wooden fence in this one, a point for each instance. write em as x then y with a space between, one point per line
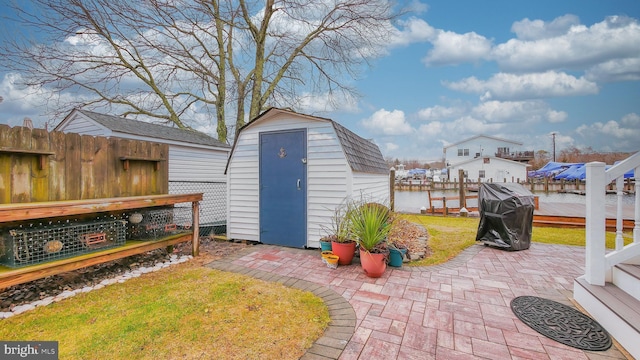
36 165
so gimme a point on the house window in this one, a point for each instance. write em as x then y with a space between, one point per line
503 150
481 174
463 152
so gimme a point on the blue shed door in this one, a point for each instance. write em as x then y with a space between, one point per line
283 193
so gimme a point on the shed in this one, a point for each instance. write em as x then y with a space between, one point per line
196 160
288 172
490 168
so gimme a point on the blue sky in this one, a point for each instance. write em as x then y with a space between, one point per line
519 70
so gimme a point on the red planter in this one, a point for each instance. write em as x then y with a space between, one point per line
373 264
345 251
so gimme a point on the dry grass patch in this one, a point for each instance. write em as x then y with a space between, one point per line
185 312
448 236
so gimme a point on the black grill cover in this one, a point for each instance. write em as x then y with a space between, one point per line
506 216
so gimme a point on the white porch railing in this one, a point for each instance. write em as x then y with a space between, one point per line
598 261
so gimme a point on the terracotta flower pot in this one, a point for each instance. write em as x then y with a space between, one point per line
373 264
345 251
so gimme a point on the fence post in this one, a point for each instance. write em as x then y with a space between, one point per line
392 193
546 184
463 202
195 214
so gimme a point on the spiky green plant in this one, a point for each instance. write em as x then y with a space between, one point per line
370 224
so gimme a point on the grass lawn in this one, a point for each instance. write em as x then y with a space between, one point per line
184 312
448 236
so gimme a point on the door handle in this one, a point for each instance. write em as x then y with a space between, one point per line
298 184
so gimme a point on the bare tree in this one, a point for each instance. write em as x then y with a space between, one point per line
171 59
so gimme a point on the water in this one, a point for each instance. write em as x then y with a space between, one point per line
412 201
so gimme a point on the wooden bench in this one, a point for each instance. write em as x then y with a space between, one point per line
31 211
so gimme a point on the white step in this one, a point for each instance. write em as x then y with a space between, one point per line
617 311
627 278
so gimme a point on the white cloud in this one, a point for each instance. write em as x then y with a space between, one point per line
388 123
439 112
434 128
615 70
579 47
319 103
537 29
412 30
506 86
622 135
518 111
453 48
417 7
469 125
631 120
391 147
554 116
458 129
21 101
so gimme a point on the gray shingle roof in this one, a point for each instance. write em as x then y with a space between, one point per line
141 128
362 155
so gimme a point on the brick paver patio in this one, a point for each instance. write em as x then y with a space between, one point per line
458 310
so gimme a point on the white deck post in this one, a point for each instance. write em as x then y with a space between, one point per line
636 226
619 216
595 267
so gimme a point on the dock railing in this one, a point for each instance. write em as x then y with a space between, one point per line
598 262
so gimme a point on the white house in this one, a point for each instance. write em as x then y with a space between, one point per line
196 160
288 172
490 168
483 145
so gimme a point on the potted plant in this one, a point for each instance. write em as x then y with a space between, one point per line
397 247
325 243
338 233
396 254
370 224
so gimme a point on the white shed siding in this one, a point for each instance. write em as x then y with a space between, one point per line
327 178
189 164
243 189
372 186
